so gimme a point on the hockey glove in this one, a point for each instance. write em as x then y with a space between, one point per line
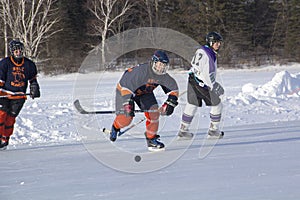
218 89
168 107
128 108
34 90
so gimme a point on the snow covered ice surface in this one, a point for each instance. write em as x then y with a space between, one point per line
51 154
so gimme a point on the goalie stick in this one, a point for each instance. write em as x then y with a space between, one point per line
81 110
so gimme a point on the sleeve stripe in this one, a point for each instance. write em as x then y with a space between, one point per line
174 93
2 83
124 91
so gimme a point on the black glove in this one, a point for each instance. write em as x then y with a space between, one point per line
218 89
168 107
34 90
128 108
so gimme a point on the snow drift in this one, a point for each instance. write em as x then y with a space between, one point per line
282 86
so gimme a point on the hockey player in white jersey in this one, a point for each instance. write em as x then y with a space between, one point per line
202 86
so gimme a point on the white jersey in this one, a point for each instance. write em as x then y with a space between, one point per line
204 65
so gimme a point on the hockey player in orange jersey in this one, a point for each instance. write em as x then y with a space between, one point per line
136 87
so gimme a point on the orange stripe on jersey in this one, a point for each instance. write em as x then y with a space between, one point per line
5 92
123 91
174 93
16 64
2 83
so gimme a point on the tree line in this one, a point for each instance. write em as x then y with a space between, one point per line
58 34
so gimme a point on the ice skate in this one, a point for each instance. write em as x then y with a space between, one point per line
3 142
215 134
214 131
184 132
113 134
185 135
154 144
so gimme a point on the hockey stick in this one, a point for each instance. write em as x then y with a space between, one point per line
104 130
81 110
13 95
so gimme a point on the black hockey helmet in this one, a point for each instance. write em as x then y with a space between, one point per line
16 45
160 56
212 38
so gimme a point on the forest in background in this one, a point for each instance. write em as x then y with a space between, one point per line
58 34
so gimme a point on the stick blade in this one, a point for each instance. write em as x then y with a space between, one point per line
79 107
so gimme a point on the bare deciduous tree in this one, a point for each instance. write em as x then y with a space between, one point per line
30 21
3 16
107 12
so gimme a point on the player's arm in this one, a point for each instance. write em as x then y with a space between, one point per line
172 91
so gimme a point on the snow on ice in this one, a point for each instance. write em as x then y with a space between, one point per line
49 119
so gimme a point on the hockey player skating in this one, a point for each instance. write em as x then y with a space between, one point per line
202 86
15 73
136 86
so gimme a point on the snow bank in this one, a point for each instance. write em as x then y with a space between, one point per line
282 86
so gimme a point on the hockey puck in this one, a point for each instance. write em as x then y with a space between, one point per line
137 158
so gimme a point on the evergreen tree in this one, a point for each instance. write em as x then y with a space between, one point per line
260 18
292 40
279 27
69 46
235 28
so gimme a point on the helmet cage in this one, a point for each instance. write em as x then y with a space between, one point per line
16 45
160 62
160 68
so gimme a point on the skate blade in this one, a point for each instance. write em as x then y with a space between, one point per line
214 137
184 138
3 148
153 149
